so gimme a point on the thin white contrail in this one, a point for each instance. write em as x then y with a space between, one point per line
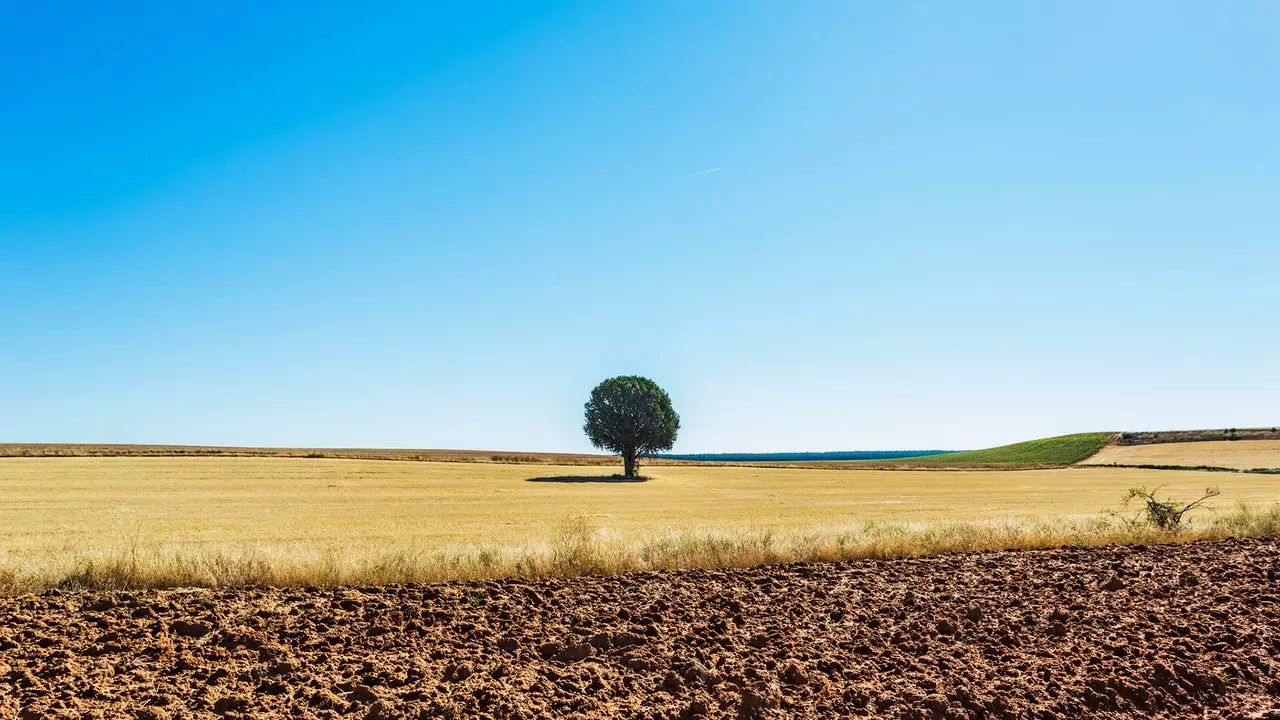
704 172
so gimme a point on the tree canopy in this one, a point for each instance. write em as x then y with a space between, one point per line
632 416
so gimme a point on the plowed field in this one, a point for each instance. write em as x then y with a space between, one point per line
1167 631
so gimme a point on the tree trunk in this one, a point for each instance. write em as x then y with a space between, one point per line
629 464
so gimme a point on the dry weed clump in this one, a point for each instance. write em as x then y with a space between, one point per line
1167 514
580 547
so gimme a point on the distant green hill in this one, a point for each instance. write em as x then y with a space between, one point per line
1054 451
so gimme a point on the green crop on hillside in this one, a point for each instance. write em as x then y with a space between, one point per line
1045 452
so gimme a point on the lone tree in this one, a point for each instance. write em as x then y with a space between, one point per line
632 416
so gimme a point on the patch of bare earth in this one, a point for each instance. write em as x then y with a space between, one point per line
1171 631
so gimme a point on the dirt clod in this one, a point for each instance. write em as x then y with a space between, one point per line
380 710
697 708
575 652
756 701
671 682
364 695
937 704
190 628
795 675
224 705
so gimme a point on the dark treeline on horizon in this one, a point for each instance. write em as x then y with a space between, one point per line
806 456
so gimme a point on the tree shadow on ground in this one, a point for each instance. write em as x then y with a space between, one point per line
603 479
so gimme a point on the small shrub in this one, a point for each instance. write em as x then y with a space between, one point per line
1166 514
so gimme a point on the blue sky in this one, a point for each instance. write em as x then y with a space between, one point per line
930 224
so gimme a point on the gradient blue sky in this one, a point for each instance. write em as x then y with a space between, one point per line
933 224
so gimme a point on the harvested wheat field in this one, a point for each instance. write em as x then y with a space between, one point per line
1184 630
1238 454
166 522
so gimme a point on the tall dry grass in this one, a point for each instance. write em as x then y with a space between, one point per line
578 547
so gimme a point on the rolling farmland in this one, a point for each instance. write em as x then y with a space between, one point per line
331 589
192 520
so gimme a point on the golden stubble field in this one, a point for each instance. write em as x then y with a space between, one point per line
1240 454
164 521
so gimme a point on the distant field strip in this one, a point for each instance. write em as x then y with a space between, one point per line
175 521
1239 454
1045 452
35 450
804 457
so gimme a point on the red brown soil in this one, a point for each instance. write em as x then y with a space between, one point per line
1170 631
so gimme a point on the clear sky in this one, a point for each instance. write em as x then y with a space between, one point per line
819 225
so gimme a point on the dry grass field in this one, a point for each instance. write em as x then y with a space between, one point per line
1239 454
139 521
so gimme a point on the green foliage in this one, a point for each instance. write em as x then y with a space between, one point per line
1054 451
631 416
1166 514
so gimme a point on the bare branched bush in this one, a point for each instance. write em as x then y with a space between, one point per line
1166 514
